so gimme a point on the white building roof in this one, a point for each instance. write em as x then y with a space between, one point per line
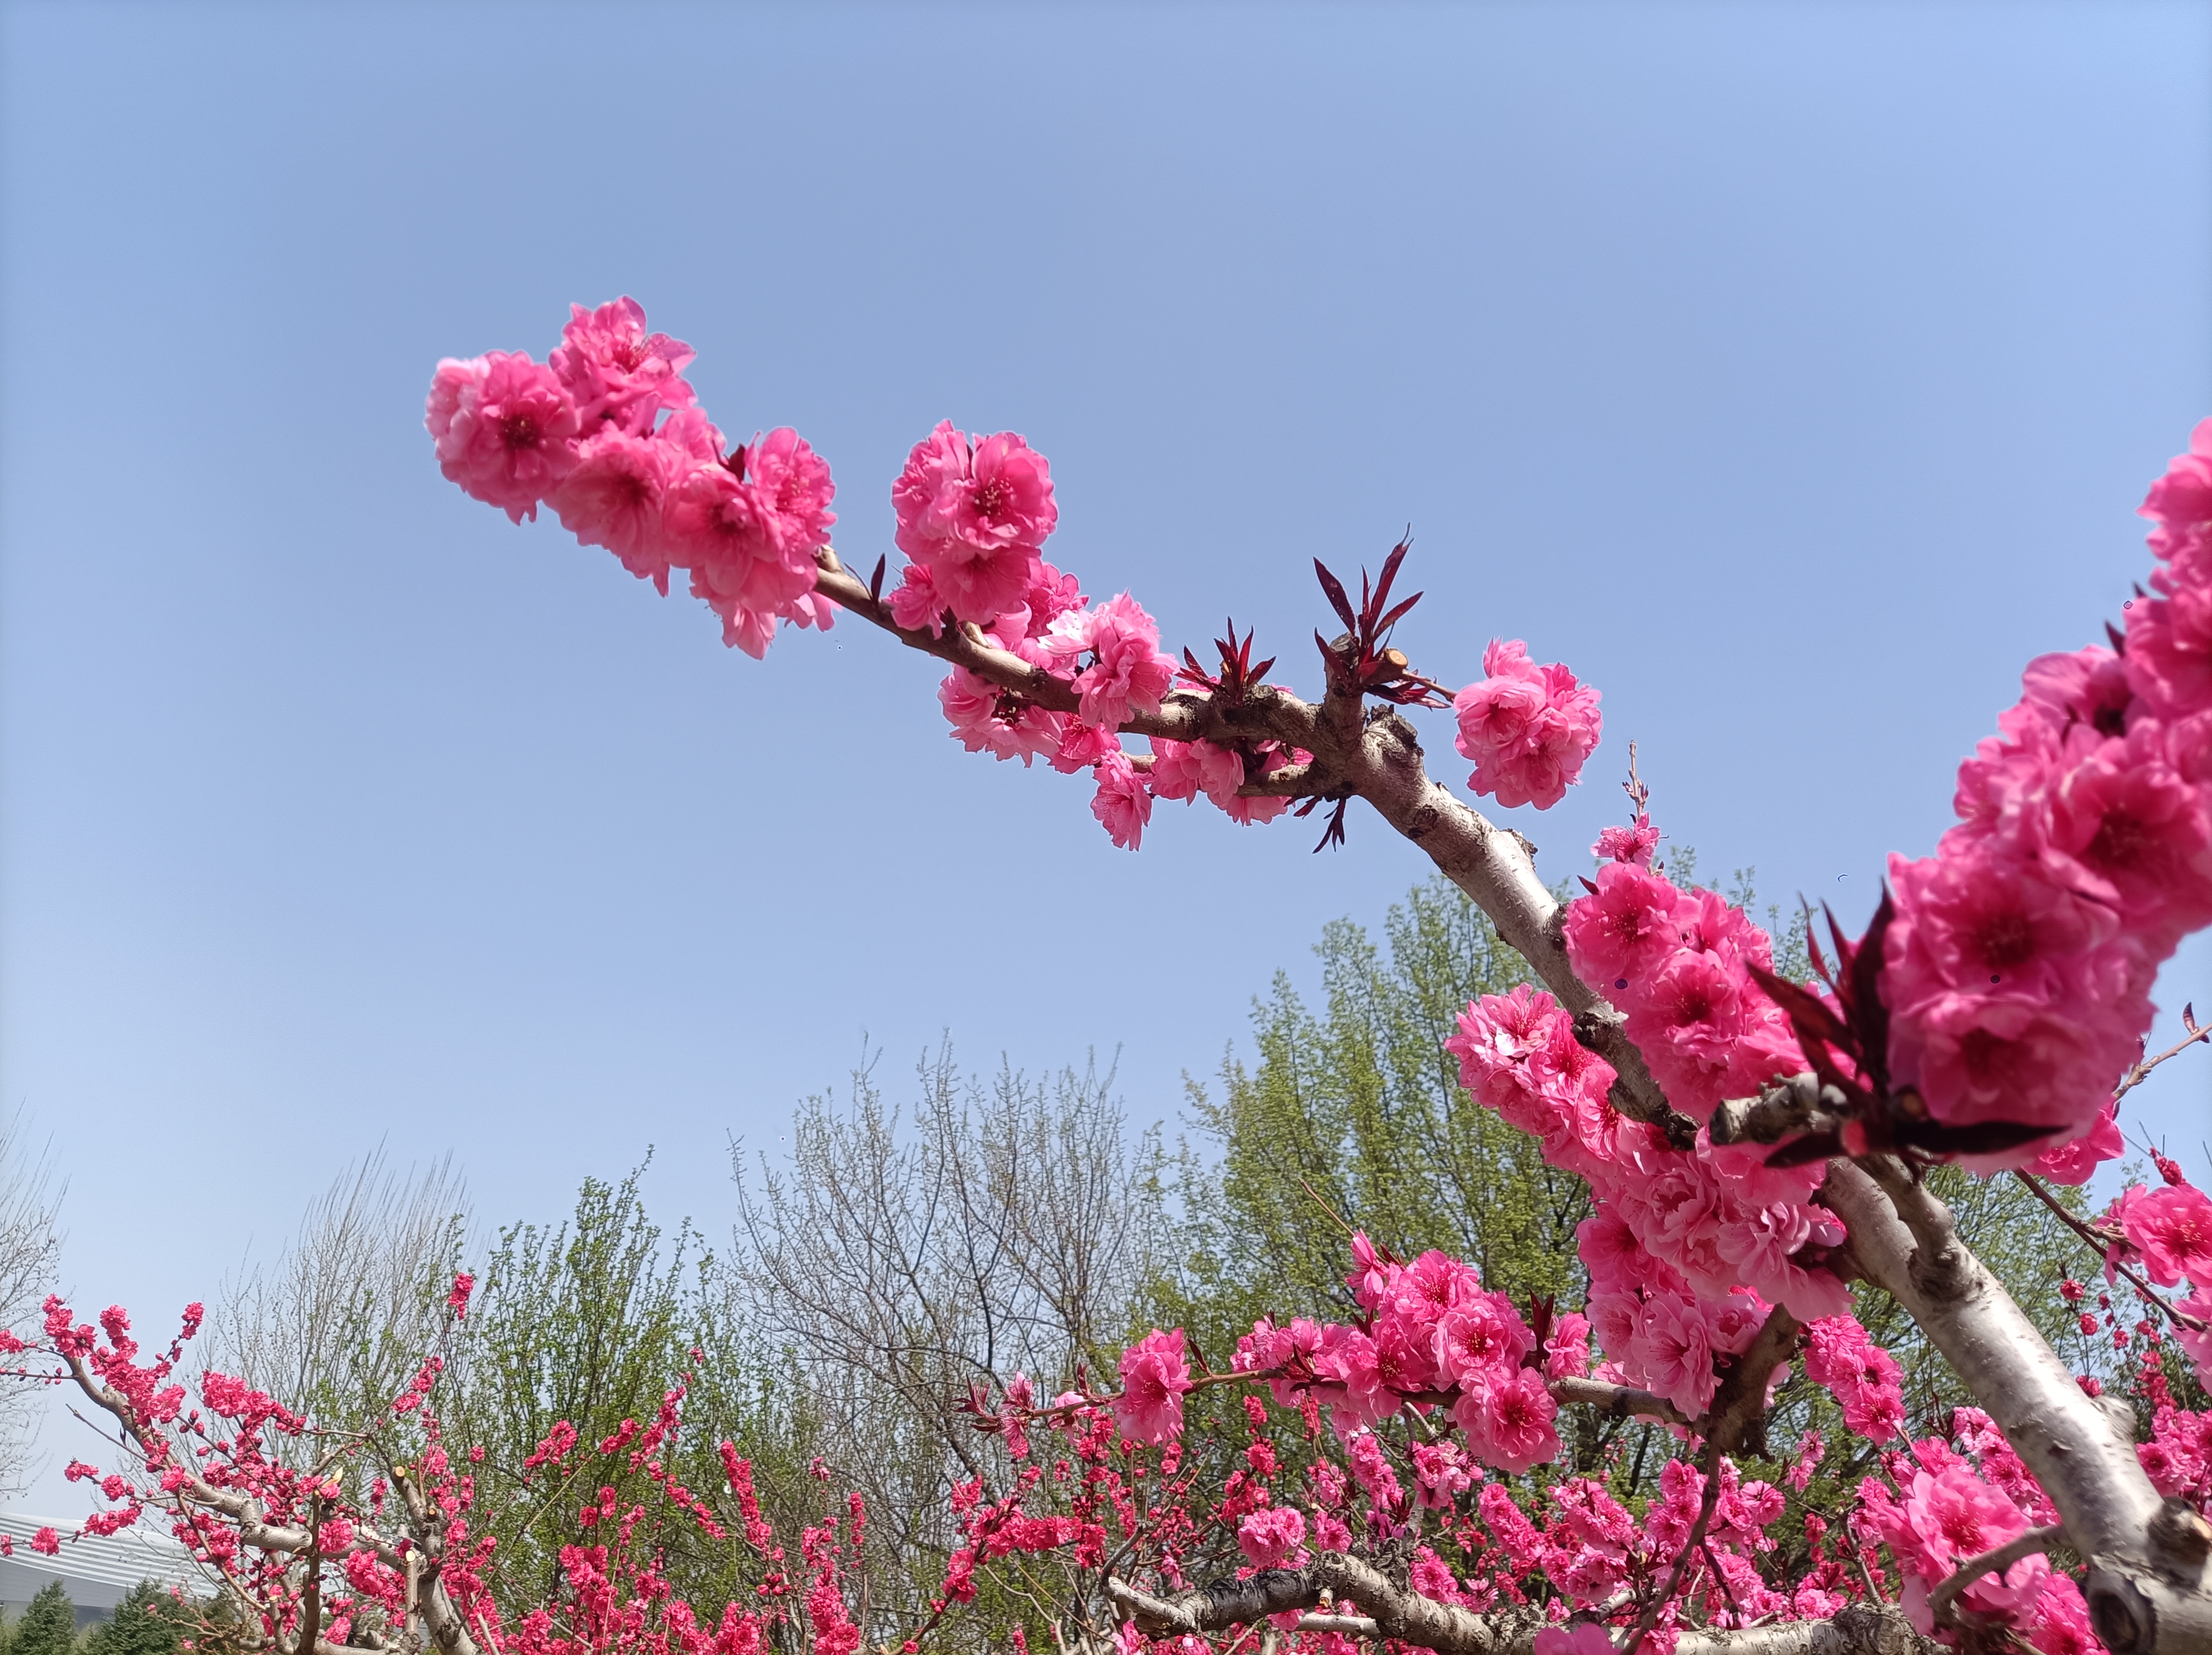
96 1569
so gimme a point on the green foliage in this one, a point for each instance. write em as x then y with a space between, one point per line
48 1626
596 1321
147 1622
1355 1116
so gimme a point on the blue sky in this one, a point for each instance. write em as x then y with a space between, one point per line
1791 371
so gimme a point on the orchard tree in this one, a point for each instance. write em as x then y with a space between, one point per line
1753 1148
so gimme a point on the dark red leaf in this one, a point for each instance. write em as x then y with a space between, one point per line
1389 574
1813 1147
1814 1021
1867 1013
1334 588
1983 1138
876 581
1396 615
1333 833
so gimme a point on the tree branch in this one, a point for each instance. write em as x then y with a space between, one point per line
2146 1589
1618 1402
1995 1561
1405 1616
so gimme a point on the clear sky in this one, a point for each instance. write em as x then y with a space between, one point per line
1791 371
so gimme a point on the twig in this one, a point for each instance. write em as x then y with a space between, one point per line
1992 1562
2103 1242
2140 1072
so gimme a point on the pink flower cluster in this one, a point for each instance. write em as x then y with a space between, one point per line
2019 971
974 513
1596 1548
1688 1249
1528 727
2170 1229
1155 1377
1431 1331
1863 1378
1941 1508
609 433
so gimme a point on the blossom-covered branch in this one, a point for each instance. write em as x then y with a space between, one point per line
1986 1017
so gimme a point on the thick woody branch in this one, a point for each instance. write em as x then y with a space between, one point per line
2147 1588
1618 1402
1797 1105
1395 1612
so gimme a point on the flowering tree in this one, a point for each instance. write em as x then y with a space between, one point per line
1754 1145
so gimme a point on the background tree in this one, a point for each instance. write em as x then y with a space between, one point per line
48 1626
149 1620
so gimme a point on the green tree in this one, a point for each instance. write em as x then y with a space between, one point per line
1353 1118
48 1626
599 1322
147 1622
1353 1115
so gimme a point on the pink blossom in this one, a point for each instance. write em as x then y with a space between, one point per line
1566 1349
1122 804
2059 1623
504 428
616 372
1862 1377
1083 746
1634 845
1154 1377
793 483
2198 1345
986 719
2072 1160
1675 1349
2180 502
1977 1059
1184 769
1442 1472
1687 1026
1350 1373
1587 1639
1431 1285
976 510
1477 1339
914 604
1269 1538
1527 727
2171 1227
734 543
616 495
47 1542
1508 1419
1127 671
2133 833
1622 930
1373 1277
1987 923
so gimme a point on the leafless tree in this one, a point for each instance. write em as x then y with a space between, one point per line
338 1320
896 1261
30 1252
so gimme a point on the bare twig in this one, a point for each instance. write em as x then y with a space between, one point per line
2102 1242
1996 1561
2140 1072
